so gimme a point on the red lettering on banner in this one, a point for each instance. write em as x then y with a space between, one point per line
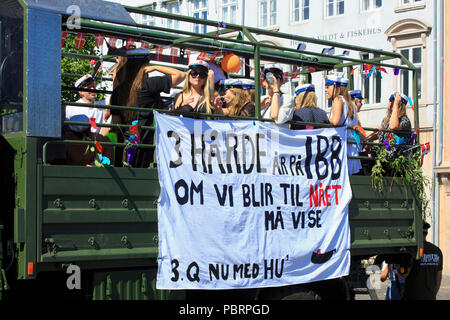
319 196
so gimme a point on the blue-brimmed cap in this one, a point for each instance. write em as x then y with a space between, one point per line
87 78
404 97
246 84
337 81
304 88
356 94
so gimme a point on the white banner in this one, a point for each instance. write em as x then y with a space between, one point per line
247 204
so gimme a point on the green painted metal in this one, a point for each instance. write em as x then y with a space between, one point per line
105 219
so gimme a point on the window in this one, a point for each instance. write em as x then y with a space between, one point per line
173 7
300 10
369 5
403 2
147 19
267 13
371 87
200 12
334 8
414 55
229 11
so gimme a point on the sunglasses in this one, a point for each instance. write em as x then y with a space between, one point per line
201 75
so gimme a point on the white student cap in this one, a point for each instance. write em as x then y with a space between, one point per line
336 80
199 63
305 87
238 83
404 97
356 94
84 80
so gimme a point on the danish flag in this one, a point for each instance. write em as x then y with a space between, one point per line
81 37
158 53
130 42
174 55
99 38
63 38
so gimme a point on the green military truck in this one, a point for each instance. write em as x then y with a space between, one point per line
103 220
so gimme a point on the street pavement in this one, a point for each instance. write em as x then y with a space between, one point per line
443 293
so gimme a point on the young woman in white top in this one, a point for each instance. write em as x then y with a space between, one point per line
344 112
276 105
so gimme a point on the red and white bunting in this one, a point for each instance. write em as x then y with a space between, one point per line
63 38
174 55
201 56
113 41
99 39
81 37
188 54
295 73
145 44
158 53
130 43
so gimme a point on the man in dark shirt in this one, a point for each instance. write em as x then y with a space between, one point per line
423 277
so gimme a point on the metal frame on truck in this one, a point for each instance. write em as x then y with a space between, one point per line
101 219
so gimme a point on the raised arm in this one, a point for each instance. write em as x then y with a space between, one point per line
394 123
178 76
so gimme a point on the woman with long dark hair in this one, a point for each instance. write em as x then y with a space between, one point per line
134 88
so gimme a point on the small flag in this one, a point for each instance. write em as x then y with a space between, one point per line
201 56
424 150
411 103
99 38
81 37
414 135
295 73
371 72
361 130
381 69
113 41
158 53
396 72
63 38
353 71
130 43
145 44
93 124
98 146
174 55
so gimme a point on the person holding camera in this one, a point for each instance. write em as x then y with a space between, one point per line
276 105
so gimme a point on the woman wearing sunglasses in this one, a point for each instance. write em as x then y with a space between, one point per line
197 91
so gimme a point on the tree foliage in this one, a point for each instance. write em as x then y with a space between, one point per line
77 66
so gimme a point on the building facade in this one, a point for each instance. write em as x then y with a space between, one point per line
405 26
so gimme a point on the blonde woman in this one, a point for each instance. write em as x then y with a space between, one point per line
198 90
306 109
396 118
357 99
343 113
239 97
